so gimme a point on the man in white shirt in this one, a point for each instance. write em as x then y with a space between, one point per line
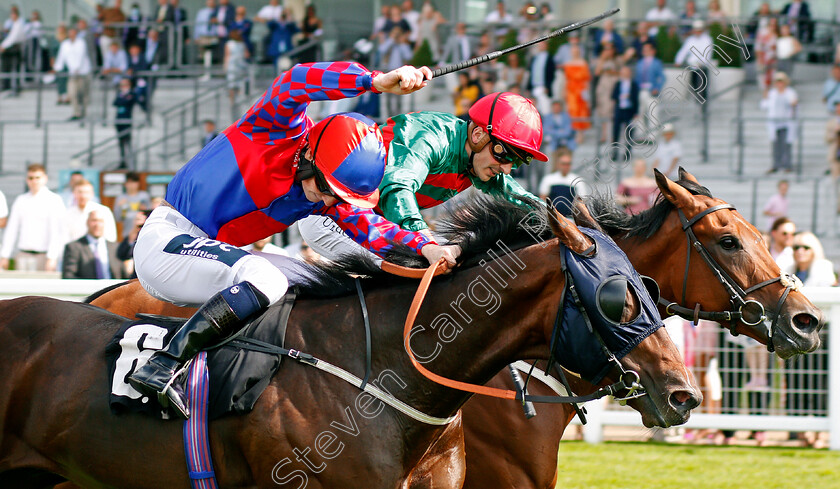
668 152
34 226
272 11
76 215
73 55
501 18
115 62
659 15
11 49
412 17
698 42
562 186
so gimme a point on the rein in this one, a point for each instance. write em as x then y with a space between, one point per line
629 380
737 295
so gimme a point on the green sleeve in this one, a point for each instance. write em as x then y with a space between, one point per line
404 174
506 187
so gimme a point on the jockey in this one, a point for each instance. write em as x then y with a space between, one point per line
263 173
432 156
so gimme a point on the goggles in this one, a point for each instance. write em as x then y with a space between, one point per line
320 181
505 153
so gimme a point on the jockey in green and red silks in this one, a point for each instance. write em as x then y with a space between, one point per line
433 156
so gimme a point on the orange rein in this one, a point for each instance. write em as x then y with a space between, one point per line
427 275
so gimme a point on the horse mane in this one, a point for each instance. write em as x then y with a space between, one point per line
617 223
477 226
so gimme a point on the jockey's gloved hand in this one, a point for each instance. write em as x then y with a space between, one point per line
434 253
403 80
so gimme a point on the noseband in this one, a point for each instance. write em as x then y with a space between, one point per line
737 296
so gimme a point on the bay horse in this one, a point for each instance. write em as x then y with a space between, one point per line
503 449
57 425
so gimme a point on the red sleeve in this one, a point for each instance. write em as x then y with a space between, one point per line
373 231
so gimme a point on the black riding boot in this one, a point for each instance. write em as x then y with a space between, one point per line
220 317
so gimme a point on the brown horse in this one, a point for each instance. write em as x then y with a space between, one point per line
57 425
503 449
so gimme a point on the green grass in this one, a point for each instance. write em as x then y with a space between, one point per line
626 465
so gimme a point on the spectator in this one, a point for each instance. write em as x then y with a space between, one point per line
11 49
781 239
606 71
394 53
606 35
163 17
135 31
642 38
777 205
210 132
650 76
467 92
281 36
34 227
155 51
244 25
577 91
546 15
312 30
225 13
236 64
526 24
638 192
412 18
124 102
500 18
687 17
832 138
136 65
715 14
659 15
61 75
562 186
132 201
780 104
459 47
73 55
797 15
668 152
272 11
810 265
114 63
75 217
88 36
4 212
66 193
205 37
37 59
182 30
511 75
125 250
787 47
557 128
625 95
541 77
700 41
831 89
427 28
265 246
92 256
765 52
111 16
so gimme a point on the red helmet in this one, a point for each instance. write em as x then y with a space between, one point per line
511 118
352 157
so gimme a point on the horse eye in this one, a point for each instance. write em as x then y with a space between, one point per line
728 243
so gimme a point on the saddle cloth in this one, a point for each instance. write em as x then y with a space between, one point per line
237 376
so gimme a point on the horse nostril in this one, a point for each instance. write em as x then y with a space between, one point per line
684 401
806 323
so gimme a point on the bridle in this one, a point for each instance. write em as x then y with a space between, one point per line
740 305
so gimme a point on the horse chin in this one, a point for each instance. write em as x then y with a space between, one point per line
786 347
797 334
655 414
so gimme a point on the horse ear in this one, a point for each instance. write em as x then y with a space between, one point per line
568 233
684 175
582 215
680 197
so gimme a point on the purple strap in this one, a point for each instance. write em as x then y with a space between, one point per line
196 441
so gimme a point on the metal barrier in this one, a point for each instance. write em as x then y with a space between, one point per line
816 379
799 153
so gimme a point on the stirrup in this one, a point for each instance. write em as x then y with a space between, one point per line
166 400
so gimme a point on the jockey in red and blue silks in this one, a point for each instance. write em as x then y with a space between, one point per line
263 173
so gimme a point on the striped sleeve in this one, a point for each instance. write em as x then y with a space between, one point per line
371 230
281 111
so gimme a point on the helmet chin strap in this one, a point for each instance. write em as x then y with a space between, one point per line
475 147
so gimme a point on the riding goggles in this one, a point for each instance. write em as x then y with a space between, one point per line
320 180
504 153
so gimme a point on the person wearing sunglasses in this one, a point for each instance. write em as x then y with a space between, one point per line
271 168
433 156
810 264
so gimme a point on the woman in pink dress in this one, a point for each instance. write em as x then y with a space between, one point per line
638 192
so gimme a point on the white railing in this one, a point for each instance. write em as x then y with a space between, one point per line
828 300
71 289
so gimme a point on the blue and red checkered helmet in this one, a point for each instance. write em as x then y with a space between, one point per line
348 149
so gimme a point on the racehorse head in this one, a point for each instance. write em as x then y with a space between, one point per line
620 333
711 263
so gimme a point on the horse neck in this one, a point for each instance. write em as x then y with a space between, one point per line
472 325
